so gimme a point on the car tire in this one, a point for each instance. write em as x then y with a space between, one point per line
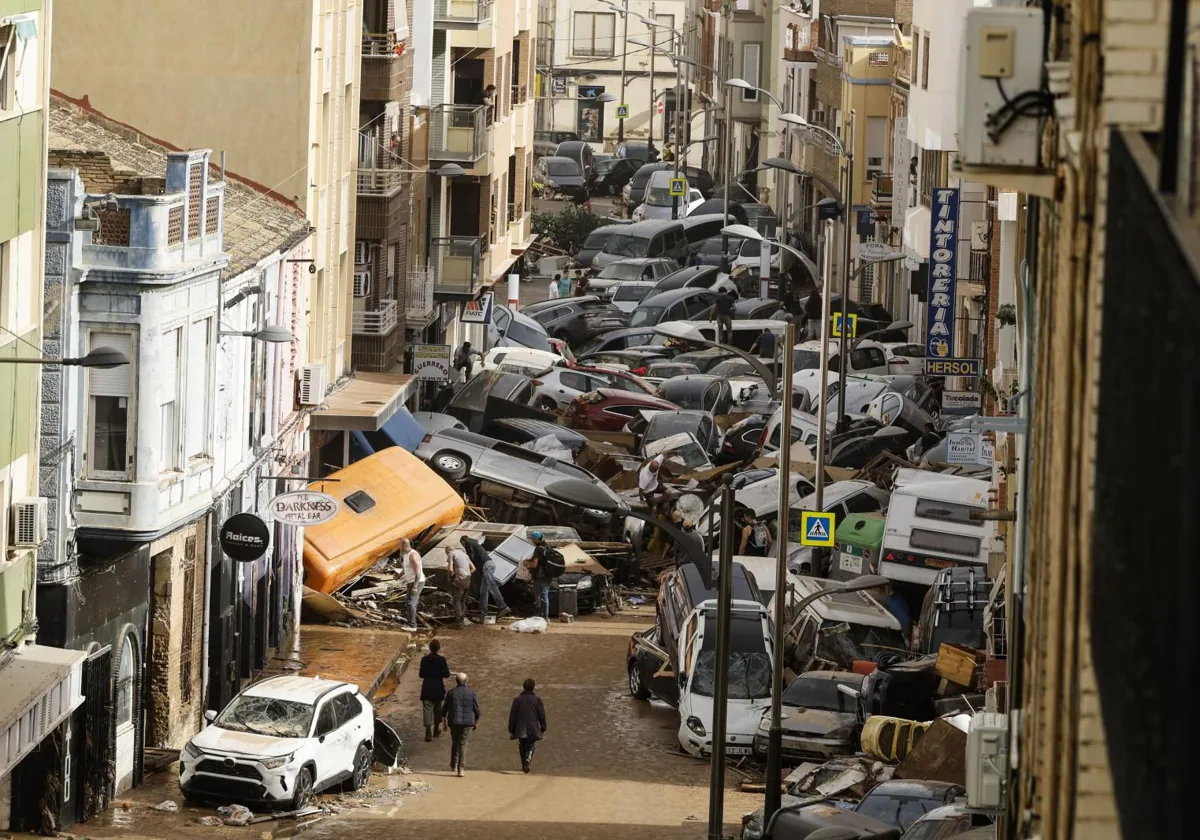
547 404
303 788
636 688
364 757
449 465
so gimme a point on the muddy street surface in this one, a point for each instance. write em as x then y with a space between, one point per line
608 768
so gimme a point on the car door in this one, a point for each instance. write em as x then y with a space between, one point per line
331 754
868 360
570 385
653 661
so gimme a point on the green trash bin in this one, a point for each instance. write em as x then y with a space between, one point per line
856 546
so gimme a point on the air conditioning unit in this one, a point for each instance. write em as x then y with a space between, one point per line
28 523
362 253
987 759
314 381
362 284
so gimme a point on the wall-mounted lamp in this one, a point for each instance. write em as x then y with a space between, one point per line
101 357
270 335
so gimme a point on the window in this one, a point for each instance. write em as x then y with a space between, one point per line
346 707
751 58
879 59
665 29
109 392
942 542
945 511
862 503
167 388
125 684
8 50
594 33
925 66
574 381
867 357
188 633
916 53
327 719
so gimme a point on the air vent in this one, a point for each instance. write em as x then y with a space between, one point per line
28 523
362 284
314 381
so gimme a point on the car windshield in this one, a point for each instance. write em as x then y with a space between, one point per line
897 810
685 394
819 693
732 367
631 291
620 271
267 716
806 360
527 336
842 642
625 245
595 241
659 197
749 663
646 315
563 167
665 424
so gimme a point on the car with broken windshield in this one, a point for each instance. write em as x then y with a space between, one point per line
819 720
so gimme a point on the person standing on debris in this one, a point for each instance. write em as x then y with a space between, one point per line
756 538
545 565
527 723
764 345
484 562
649 486
460 568
722 312
462 359
461 710
414 576
434 669
813 312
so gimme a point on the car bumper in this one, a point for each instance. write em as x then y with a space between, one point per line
701 747
792 746
252 783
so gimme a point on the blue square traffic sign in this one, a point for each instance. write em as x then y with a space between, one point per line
816 528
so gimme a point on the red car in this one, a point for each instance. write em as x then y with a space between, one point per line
608 410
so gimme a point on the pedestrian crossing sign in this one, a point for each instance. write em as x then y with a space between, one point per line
622 112
837 324
816 529
678 187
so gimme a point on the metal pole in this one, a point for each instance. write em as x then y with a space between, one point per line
727 61
847 215
679 147
775 734
650 121
823 405
716 791
624 56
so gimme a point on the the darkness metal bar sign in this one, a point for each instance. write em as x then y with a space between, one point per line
943 272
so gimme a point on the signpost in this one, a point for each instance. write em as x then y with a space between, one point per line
943 274
969 448
951 367
303 507
961 402
244 537
478 311
432 362
622 112
874 251
678 187
816 529
837 325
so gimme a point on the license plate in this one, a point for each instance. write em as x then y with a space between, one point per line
850 563
731 750
939 564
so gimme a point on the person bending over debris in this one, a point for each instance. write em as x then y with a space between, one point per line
414 576
488 586
649 485
460 568
461 710
545 565
527 723
434 669
462 359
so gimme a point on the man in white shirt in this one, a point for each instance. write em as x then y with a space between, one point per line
649 486
414 576
460 568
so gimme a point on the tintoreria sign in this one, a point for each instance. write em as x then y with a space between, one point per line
943 271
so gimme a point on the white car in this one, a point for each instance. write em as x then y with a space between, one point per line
523 360
905 358
867 357
627 294
280 741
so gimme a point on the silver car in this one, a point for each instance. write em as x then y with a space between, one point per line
557 387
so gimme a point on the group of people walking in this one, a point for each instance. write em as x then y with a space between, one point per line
458 711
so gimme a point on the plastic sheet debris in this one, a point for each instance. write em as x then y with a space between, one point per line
235 814
550 445
167 806
535 624
210 821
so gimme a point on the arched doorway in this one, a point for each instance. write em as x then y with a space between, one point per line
125 717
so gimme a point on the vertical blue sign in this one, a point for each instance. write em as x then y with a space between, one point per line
943 272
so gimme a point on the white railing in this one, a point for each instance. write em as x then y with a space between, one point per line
379 321
420 294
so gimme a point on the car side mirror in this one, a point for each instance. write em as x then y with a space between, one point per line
210 715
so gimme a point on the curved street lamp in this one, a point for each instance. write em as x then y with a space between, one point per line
101 357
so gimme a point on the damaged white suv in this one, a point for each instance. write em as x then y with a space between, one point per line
280 741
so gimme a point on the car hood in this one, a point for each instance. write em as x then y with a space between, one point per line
566 180
796 721
220 740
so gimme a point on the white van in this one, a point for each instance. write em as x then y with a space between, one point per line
929 526
745 333
659 202
840 629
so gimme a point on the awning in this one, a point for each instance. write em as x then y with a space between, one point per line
365 403
42 686
402 430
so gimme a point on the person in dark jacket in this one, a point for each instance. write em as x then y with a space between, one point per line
813 312
489 586
433 670
461 710
527 723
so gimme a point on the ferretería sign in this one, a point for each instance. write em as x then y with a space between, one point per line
943 272
303 507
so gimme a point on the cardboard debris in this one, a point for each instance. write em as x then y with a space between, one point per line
940 755
959 664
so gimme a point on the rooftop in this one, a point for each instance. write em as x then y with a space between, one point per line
255 224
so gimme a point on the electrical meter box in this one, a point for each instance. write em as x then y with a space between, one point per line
987 757
1002 65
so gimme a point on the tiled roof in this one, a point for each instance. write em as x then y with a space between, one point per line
256 224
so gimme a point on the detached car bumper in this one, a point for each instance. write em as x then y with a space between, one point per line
237 779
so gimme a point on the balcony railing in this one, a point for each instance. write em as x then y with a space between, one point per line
981 266
379 321
379 45
457 132
456 260
903 65
420 294
380 181
459 14
518 94
515 211
829 58
881 192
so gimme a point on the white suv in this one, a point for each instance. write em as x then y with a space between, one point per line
280 741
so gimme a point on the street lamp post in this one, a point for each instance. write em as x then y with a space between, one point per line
847 207
623 10
716 789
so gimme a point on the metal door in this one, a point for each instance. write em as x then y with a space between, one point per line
97 766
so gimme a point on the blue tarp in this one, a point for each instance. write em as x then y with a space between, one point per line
402 430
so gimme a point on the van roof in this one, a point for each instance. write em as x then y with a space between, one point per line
651 226
744 589
941 487
850 607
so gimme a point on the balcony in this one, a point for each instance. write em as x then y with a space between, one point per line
381 180
881 194
461 14
381 321
519 94
381 79
378 342
419 307
826 57
457 262
981 266
457 133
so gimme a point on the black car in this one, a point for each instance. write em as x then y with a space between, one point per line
469 405
688 277
636 150
664 424
755 308
559 176
546 142
626 339
635 190
698 391
579 152
676 305
700 179
576 319
742 440
717 206
523 430
705 359
610 176
901 803
711 252
594 244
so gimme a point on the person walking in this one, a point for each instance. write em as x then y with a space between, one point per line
461 711
462 359
756 537
722 312
527 723
544 566
484 562
564 286
460 568
414 577
433 670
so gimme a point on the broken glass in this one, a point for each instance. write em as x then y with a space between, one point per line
267 716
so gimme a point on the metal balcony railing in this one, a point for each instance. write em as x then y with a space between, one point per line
379 321
981 266
420 294
515 210
380 181
824 55
448 13
518 94
457 132
379 45
456 262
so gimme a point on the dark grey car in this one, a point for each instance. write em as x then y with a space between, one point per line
676 305
576 319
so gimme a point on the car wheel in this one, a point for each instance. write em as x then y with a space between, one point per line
303 791
450 465
639 691
547 404
363 759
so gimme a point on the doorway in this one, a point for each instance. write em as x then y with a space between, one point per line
96 760
468 78
466 201
126 709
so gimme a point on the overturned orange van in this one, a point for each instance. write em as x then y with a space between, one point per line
384 498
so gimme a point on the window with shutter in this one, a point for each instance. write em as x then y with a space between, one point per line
167 388
199 353
109 393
